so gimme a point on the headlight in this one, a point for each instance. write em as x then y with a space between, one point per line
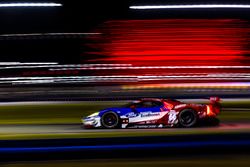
94 114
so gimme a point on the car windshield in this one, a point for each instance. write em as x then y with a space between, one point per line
146 104
129 104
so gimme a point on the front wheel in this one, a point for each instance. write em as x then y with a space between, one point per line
187 118
110 120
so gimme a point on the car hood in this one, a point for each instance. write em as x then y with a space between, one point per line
111 109
99 113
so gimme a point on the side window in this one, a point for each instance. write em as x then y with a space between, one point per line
147 104
138 105
157 104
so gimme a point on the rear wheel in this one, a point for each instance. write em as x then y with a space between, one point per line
187 118
110 120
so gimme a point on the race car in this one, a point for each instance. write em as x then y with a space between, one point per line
154 113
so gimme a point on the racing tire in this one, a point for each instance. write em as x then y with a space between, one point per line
110 120
187 118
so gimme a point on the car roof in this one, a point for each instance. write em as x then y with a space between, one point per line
151 99
172 100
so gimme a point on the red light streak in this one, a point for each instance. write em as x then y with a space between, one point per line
150 58
161 41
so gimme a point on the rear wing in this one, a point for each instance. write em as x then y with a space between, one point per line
214 99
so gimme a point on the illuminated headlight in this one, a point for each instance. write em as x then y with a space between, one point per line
94 114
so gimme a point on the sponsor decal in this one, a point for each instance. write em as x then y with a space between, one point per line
150 122
149 114
144 126
172 117
141 123
146 122
131 115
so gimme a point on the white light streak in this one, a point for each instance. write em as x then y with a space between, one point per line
126 78
197 6
47 34
31 63
7 5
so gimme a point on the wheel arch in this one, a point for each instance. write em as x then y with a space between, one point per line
187 107
108 110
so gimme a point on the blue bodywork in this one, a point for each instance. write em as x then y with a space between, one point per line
124 111
133 112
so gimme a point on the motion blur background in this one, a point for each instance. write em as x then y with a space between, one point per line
103 49
60 63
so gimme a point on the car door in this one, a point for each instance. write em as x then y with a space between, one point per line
148 106
147 112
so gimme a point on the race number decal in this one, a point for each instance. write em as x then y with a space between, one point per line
172 116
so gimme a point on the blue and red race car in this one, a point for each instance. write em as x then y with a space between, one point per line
154 113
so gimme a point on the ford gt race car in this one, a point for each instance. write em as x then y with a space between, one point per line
154 113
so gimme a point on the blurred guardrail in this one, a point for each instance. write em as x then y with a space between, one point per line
76 92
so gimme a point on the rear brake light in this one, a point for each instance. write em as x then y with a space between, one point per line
209 111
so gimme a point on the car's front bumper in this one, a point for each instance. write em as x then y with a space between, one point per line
91 122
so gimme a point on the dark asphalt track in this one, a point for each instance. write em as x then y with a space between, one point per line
46 129
196 143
